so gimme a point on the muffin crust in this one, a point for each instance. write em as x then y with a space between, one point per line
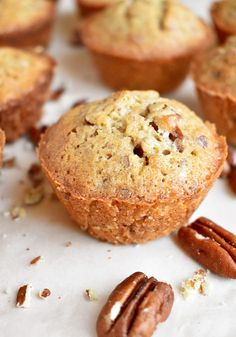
132 167
2 142
87 7
26 23
223 14
214 74
24 83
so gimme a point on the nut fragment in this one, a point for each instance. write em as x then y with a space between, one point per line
91 295
135 307
197 283
44 293
36 260
23 297
34 196
211 245
17 212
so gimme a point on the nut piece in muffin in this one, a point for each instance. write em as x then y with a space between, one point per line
223 14
214 73
132 167
144 44
2 142
25 78
26 23
87 7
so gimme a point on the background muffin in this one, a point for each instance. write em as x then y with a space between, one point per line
223 14
25 78
26 23
144 44
132 167
2 142
214 74
90 6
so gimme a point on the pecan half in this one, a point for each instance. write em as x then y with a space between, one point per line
211 245
135 307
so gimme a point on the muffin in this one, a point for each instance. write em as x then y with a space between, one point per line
144 44
2 142
87 7
223 14
214 74
26 23
25 78
132 167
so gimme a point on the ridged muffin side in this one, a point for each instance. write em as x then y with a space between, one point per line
214 73
223 14
25 79
2 142
145 44
26 23
132 167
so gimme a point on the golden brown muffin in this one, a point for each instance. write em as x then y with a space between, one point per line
88 7
223 14
25 78
214 74
144 44
26 23
2 142
132 167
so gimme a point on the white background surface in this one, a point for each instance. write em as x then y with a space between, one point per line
68 271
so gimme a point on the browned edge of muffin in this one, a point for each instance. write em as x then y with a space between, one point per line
18 115
223 30
86 8
37 34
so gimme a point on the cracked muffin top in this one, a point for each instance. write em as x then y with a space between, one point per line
145 29
225 12
134 145
215 70
20 14
20 71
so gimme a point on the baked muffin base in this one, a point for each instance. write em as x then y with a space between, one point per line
18 115
162 76
122 222
2 142
220 110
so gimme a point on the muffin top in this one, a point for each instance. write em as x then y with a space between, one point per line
225 13
145 29
20 14
134 145
215 70
20 71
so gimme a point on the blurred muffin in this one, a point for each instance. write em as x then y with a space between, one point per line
2 142
214 74
223 14
132 167
144 44
25 78
87 7
26 23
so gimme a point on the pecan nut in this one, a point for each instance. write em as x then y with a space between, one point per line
135 307
211 245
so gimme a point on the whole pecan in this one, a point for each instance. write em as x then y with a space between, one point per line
135 307
211 245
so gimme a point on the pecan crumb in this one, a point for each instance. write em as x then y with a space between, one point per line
197 283
9 163
34 196
23 297
36 260
17 212
35 134
91 295
56 94
44 293
68 243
